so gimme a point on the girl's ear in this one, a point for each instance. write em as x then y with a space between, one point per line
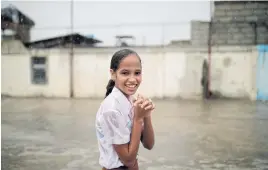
112 74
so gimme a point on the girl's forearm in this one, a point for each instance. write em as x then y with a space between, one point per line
148 133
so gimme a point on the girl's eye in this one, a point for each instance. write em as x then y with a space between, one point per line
125 73
137 73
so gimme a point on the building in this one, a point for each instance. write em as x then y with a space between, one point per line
46 69
13 20
233 23
64 41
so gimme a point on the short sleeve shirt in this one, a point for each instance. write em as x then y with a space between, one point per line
113 126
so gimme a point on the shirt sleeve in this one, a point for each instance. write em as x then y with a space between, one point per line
115 127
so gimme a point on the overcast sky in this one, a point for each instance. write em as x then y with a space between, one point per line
104 20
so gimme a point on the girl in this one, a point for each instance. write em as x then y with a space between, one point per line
122 122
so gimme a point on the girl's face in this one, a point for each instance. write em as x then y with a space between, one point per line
128 76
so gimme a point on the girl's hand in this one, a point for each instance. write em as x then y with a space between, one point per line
138 111
147 105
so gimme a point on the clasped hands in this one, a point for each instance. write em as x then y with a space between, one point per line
143 107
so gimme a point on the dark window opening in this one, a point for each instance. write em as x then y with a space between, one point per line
39 70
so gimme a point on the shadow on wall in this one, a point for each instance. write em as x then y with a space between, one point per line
206 92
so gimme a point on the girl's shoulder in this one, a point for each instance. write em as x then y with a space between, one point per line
109 103
118 104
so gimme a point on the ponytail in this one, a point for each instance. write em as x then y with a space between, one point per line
109 87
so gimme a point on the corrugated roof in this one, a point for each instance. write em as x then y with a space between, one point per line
75 38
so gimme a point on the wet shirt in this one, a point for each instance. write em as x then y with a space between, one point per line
113 126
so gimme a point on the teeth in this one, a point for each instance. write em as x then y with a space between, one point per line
131 86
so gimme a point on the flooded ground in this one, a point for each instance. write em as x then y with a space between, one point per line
53 134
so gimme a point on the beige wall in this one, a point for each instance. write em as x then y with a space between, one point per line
233 73
167 72
162 72
16 76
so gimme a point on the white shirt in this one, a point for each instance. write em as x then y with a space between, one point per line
113 126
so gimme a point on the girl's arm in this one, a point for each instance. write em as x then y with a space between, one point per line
128 152
148 134
127 149
147 137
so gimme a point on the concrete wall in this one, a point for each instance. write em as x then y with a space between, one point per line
234 23
12 47
167 72
199 33
237 21
17 80
163 71
233 73
243 11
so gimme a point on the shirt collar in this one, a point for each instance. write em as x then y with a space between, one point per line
121 98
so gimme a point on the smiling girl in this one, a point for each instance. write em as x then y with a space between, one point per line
121 121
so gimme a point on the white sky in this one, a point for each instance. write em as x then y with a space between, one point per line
106 19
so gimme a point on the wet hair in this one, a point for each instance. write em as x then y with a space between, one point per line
115 62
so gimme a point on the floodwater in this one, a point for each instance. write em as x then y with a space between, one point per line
58 134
